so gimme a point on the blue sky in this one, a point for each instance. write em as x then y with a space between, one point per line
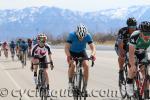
77 5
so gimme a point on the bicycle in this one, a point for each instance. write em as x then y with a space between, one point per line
42 86
6 53
78 80
23 58
123 82
12 53
139 84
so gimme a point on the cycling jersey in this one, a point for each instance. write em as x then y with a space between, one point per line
5 46
40 52
12 45
123 35
77 45
138 41
23 46
18 43
29 44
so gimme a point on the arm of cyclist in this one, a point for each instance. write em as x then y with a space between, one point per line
132 57
51 61
93 51
50 57
67 48
121 50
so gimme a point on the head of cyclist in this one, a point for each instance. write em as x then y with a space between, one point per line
81 31
5 43
29 40
41 39
12 42
132 24
144 27
23 41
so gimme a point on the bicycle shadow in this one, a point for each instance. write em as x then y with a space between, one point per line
18 68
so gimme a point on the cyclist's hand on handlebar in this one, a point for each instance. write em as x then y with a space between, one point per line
52 65
31 68
68 59
93 57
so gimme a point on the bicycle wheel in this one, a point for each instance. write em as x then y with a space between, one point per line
45 94
42 93
122 84
43 85
74 91
25 58
136 87
12 55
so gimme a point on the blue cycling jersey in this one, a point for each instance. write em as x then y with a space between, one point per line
77 45
12 45
23 46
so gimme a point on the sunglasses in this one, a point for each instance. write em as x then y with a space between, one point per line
42 40
133 27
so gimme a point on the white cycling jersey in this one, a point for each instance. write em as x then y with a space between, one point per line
40 52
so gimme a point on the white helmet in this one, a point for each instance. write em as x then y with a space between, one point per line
81 31
42 37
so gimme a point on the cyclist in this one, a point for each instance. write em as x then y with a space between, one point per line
30 46
121 46
34 41
138 44
76 47
17 47
38 53
23 46
12 47
5 48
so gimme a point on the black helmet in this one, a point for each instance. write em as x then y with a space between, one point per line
144 26
131 21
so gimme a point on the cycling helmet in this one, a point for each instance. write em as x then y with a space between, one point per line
12 41
81 31
131 21
144 26
5 43
42 37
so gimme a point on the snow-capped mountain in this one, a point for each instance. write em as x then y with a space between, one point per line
29 21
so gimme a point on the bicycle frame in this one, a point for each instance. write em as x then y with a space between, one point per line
141 85
23 57
78 77
42 81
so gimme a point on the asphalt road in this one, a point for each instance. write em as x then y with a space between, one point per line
16 83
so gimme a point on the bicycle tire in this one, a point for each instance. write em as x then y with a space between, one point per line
74 91
122 85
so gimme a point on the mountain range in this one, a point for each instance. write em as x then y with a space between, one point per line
29 21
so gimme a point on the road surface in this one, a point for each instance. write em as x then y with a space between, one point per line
16 83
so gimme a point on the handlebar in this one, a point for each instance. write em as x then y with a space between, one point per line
81 59
43 63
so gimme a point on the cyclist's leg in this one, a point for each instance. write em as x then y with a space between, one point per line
35 68
45 71
71 71
144 72
132 75
71 67
121 61
86 73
